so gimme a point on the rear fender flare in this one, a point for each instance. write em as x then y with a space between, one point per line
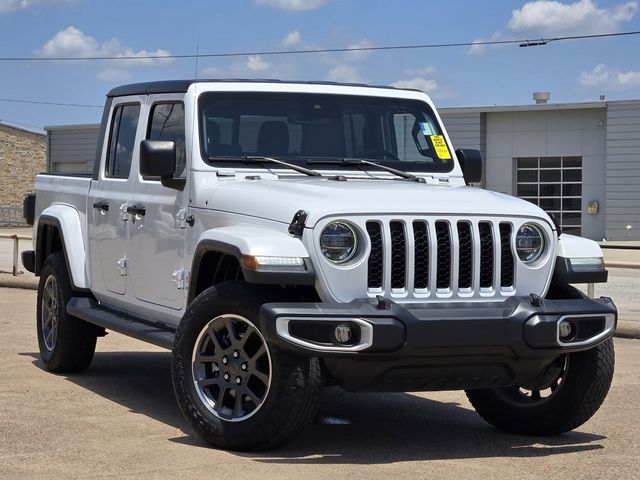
67 221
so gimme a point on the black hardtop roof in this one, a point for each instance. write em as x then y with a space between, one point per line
181 86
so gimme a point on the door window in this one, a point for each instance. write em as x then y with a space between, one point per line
167 123
122 140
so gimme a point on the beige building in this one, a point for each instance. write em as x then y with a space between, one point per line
22 157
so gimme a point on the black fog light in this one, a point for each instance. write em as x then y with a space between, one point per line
343 333
566 330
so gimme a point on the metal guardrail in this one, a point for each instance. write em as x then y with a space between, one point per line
11 216
16 240
619 247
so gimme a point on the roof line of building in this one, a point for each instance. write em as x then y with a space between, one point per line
535 106
4 123
78 126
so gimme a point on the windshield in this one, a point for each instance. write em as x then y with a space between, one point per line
399 133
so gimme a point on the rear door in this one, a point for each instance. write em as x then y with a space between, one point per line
108 218
157 244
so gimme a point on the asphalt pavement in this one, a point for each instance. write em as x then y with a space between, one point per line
119 419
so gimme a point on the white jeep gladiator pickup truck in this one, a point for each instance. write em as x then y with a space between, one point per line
279 237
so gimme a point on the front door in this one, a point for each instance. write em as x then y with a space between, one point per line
157 243
108 196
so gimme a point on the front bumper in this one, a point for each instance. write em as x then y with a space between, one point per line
408 347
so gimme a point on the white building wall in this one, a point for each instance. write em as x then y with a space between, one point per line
549 133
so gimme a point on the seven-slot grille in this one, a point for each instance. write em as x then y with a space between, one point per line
461 256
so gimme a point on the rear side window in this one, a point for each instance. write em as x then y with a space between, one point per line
167 123
122 140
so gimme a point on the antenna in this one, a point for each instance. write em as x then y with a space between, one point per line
197 52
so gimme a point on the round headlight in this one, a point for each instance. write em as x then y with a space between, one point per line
529 243
338 242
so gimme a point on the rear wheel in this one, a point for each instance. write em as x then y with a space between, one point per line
564 397
67 344
236 390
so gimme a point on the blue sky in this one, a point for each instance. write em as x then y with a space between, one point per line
571 71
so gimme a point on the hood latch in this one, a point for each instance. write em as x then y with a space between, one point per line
296 227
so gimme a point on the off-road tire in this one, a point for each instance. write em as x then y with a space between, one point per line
295 384
74 344
583 389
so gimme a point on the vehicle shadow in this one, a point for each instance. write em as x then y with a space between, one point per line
349 428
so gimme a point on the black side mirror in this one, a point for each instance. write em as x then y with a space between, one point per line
157 159
471 164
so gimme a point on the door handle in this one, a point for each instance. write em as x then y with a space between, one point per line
136 210
104 206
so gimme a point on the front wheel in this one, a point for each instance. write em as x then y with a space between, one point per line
565 396
235 389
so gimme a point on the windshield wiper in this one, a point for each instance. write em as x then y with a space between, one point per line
260 159
362 161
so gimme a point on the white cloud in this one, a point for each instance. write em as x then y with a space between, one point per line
425 71
337 66
73 42
212 72
418 83
251 67
294 5
291 39
478 49
70 42
344 73
114 75
549 17
603 76
416 78
255 63
12 5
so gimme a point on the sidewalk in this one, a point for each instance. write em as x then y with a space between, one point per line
623 285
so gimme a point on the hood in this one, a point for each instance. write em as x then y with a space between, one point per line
279 200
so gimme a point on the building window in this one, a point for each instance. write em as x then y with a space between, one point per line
555 185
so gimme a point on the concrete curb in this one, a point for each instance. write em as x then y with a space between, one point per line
625 329
628 329
632 265
28 283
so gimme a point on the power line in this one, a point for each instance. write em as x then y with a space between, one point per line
35 102
520 42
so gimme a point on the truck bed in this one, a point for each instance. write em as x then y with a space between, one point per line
57 189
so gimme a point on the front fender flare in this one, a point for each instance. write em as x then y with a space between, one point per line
254 241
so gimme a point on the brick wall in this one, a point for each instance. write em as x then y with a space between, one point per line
22 157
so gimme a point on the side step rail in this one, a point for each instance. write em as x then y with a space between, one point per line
89 310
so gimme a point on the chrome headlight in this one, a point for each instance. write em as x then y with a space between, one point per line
338 242
529 243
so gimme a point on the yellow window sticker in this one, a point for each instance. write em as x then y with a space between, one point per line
441 147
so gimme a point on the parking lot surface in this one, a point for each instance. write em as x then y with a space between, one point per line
119 419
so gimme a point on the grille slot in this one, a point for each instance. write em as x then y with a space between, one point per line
398 255
465 262
421 259
443 241
506 260
433 257
374 276
486 255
